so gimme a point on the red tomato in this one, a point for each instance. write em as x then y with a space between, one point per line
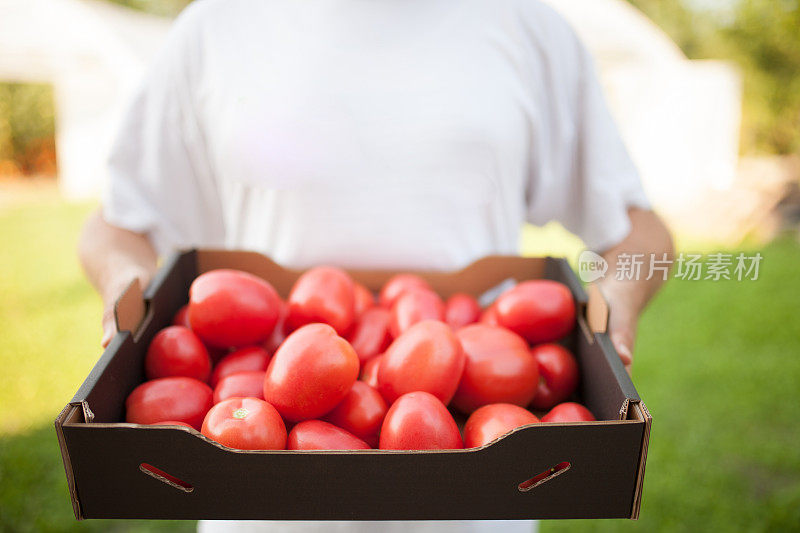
499 368
569 412
370 336
397 285
279 332
322 294
248 384
181 318
427 357
311 372
369 372
489 316
246 359
245 424
177 398
171 423
540 310
461 310
319 435
176 351
419 421
558 375
230 308
413 306
364 299
492 421
361 412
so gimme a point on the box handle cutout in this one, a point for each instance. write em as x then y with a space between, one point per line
544 477
162 476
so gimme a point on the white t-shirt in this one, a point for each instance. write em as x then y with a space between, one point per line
370 133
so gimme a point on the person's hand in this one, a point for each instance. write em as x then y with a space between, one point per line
112 290
623 318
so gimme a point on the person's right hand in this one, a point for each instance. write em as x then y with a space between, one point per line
111 293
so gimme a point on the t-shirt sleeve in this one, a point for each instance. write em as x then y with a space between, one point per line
160 181
582 176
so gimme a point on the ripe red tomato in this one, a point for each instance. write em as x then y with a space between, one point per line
177 398
248 384
369 371
245 424
461 310
322 294
320 435
427 357
181 318
419 421
397 285
361 412
370 336
540 310
176 351
499 368
311 372
569 412
170 423
279 331
558 375
246 359
492 421
364 299
489 316
413 306
230 308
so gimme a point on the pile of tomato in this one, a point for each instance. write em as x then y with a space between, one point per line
341 369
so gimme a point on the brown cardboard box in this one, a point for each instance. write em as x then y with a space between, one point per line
119 470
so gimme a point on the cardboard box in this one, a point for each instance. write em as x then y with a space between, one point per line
119 470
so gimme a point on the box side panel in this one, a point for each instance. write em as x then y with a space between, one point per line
481 484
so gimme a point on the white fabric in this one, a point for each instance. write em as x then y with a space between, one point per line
370 133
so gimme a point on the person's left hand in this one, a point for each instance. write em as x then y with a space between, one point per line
623 319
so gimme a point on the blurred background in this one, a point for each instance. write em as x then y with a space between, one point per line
707 95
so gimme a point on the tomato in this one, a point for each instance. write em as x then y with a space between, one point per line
279 331
246 359
397 285
558 375
320 435
369 372
569 412
540 310
492 421
170 423
427 357
176 351
230 308
361 412
322 294
177 398
181 318
245 424
248 384
499 368
311 372
419 421
489 316
370 336
461 310
415 305
364 299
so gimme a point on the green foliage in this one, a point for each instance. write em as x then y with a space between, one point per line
762 37
156 7
27 122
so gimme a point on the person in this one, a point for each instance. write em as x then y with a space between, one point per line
371 134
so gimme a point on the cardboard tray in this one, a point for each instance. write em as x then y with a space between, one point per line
120 470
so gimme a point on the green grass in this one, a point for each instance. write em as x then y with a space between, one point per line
718 364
